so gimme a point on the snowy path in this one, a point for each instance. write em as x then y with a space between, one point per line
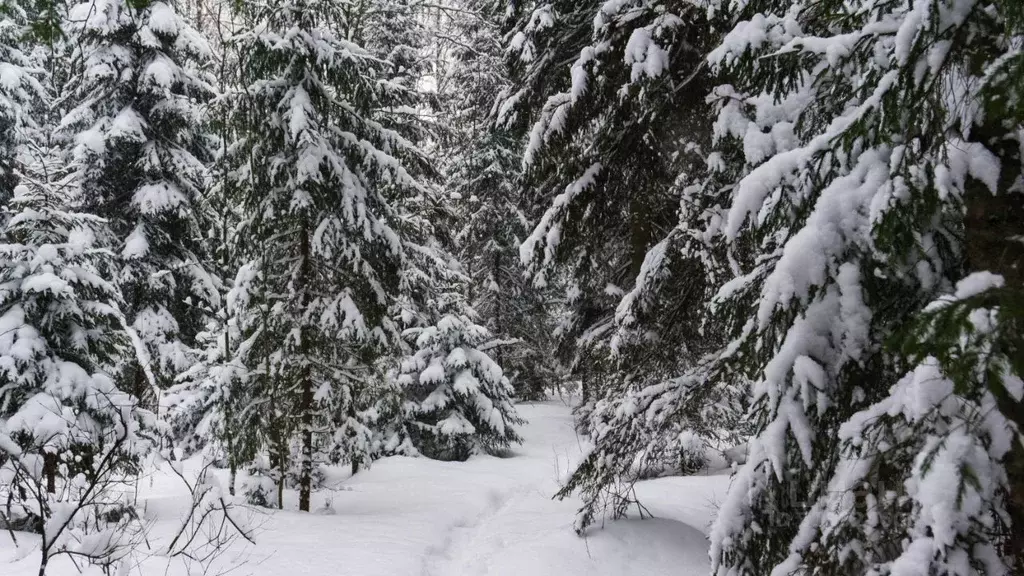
489 516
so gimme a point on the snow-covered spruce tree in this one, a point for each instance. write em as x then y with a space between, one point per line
605 161
482 165
204 401
623 146
428 267
319 184
521 316
393 31
139 148
541 38
209 403
458 400
208 398
71 442
885 374
43 160
68 434
20 92
430 286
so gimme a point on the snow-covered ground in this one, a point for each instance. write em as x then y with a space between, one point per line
493 516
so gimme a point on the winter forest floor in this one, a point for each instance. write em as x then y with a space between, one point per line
417 517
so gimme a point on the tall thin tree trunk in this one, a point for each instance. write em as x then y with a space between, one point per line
357 460
497 306
282 472
232 475
230 439
278 432
306 474
50 470
278 456
306 402
229 423
225 260
640 235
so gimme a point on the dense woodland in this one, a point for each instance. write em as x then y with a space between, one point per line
290 234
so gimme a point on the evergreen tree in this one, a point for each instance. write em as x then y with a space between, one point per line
521 316
612 149
394 32
207 400
20 92
624 143
887 375
431 299
541 38
138 153
44 163
201 401
318 189
62 347
458 399
482 166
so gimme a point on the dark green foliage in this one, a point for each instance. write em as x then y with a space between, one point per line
457 398
135 133
322 176
483 164
609 160
616 164
855 223
19 93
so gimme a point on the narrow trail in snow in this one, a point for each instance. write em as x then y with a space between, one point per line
469 544
484 517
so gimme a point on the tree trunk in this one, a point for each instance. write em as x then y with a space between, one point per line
230 439
44 560
306 474
496 272
232 462
640 236
279 452
993 227
50 470
306 402
282 473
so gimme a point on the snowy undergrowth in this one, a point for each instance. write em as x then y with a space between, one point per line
414 516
